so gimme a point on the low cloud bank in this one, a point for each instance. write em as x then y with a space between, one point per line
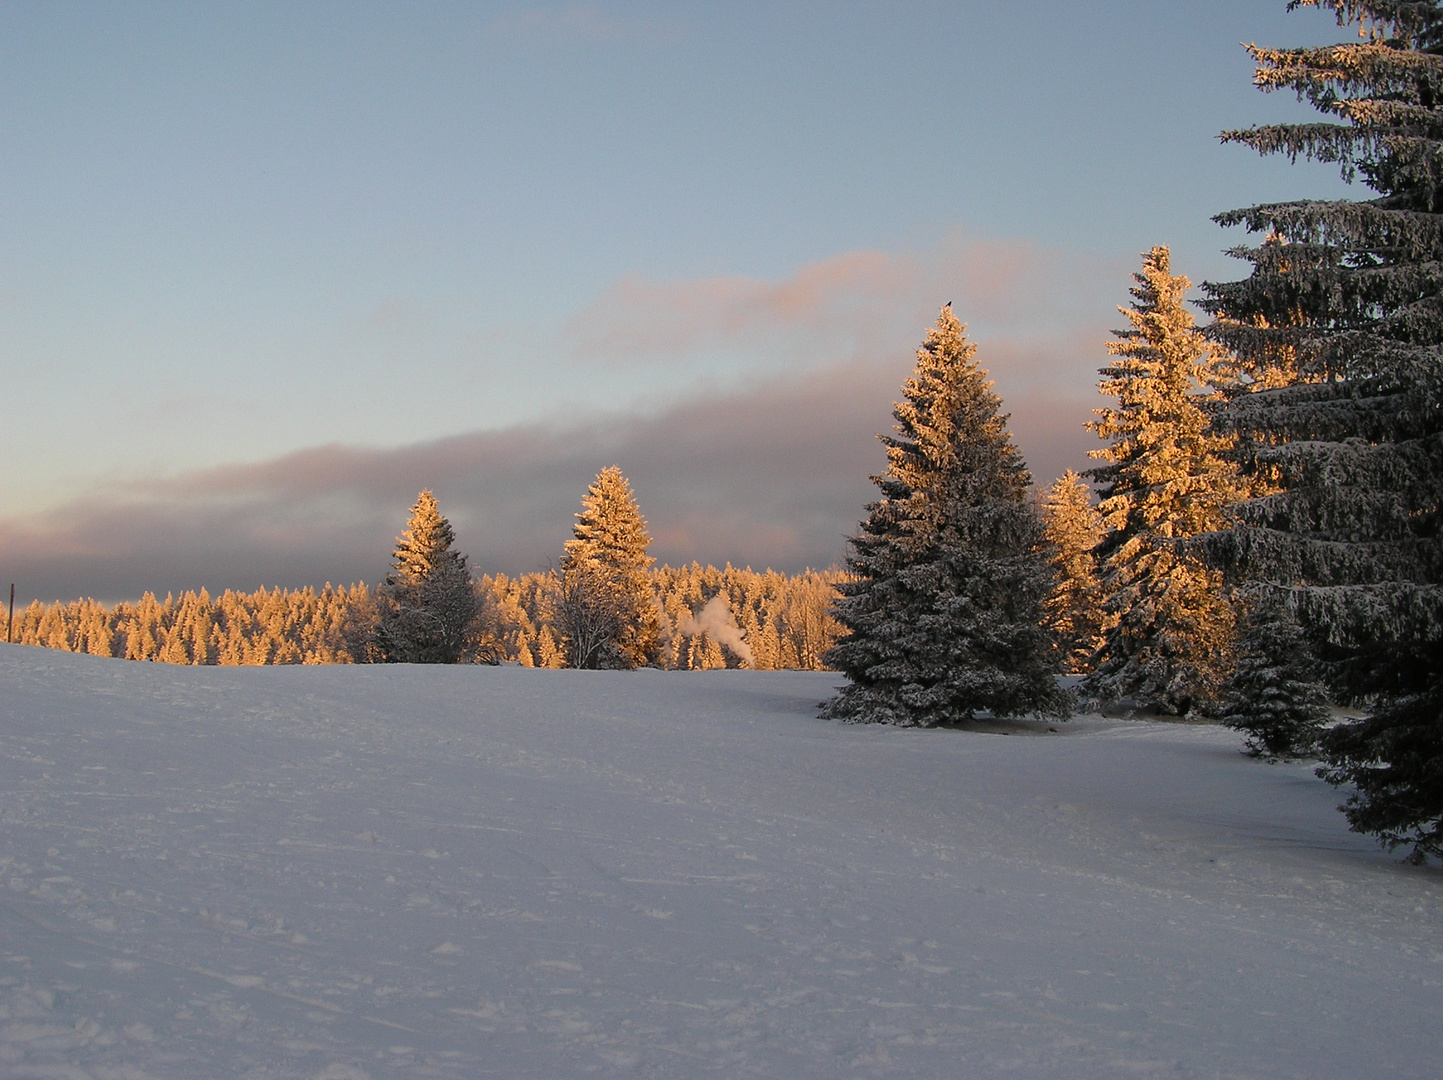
856 304
774 475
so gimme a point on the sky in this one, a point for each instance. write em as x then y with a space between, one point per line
267 270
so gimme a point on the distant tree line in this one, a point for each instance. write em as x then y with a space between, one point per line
268 626
605 606
707 618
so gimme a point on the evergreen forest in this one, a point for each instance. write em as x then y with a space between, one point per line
717 618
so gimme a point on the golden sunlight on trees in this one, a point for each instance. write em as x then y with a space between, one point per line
1073 528
1269 535
275 626
603 603
1168 626
777 621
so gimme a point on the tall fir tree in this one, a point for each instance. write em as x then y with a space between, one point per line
1338 406
606 611
1167 622
943 616
1072 528
427 604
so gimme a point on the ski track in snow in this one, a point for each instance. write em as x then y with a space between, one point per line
347 873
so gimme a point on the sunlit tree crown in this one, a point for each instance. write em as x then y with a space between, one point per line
421 548
1166 626
1165 469
427 606
1073 529
950 428
609 528
606 607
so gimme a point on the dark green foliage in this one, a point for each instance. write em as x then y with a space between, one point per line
1273 693
943 618
1394 760
1338 404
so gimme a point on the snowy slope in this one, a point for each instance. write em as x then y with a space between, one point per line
464 872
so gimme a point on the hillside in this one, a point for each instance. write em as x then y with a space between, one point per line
391 871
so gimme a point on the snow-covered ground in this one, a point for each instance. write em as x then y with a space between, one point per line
469 871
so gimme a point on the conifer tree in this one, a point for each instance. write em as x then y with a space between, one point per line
1273 693
523 651
1338 406
548 653
1072 527
608 616
1167 622
943 615
145 630
96 631
427 603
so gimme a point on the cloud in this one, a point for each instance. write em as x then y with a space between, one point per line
855 304
770 469
775 474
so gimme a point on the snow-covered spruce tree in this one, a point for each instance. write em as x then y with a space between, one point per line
427 605
1273 693
1072 528
604 608
1338 331
943 616
1167 625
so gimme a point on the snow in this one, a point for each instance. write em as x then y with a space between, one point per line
395 871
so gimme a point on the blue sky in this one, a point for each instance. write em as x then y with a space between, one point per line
387 235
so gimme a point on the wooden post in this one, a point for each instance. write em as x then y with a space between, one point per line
10 619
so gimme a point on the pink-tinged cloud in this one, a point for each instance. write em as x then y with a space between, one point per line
774 475
857 304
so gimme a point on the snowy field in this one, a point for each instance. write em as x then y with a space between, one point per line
466 871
